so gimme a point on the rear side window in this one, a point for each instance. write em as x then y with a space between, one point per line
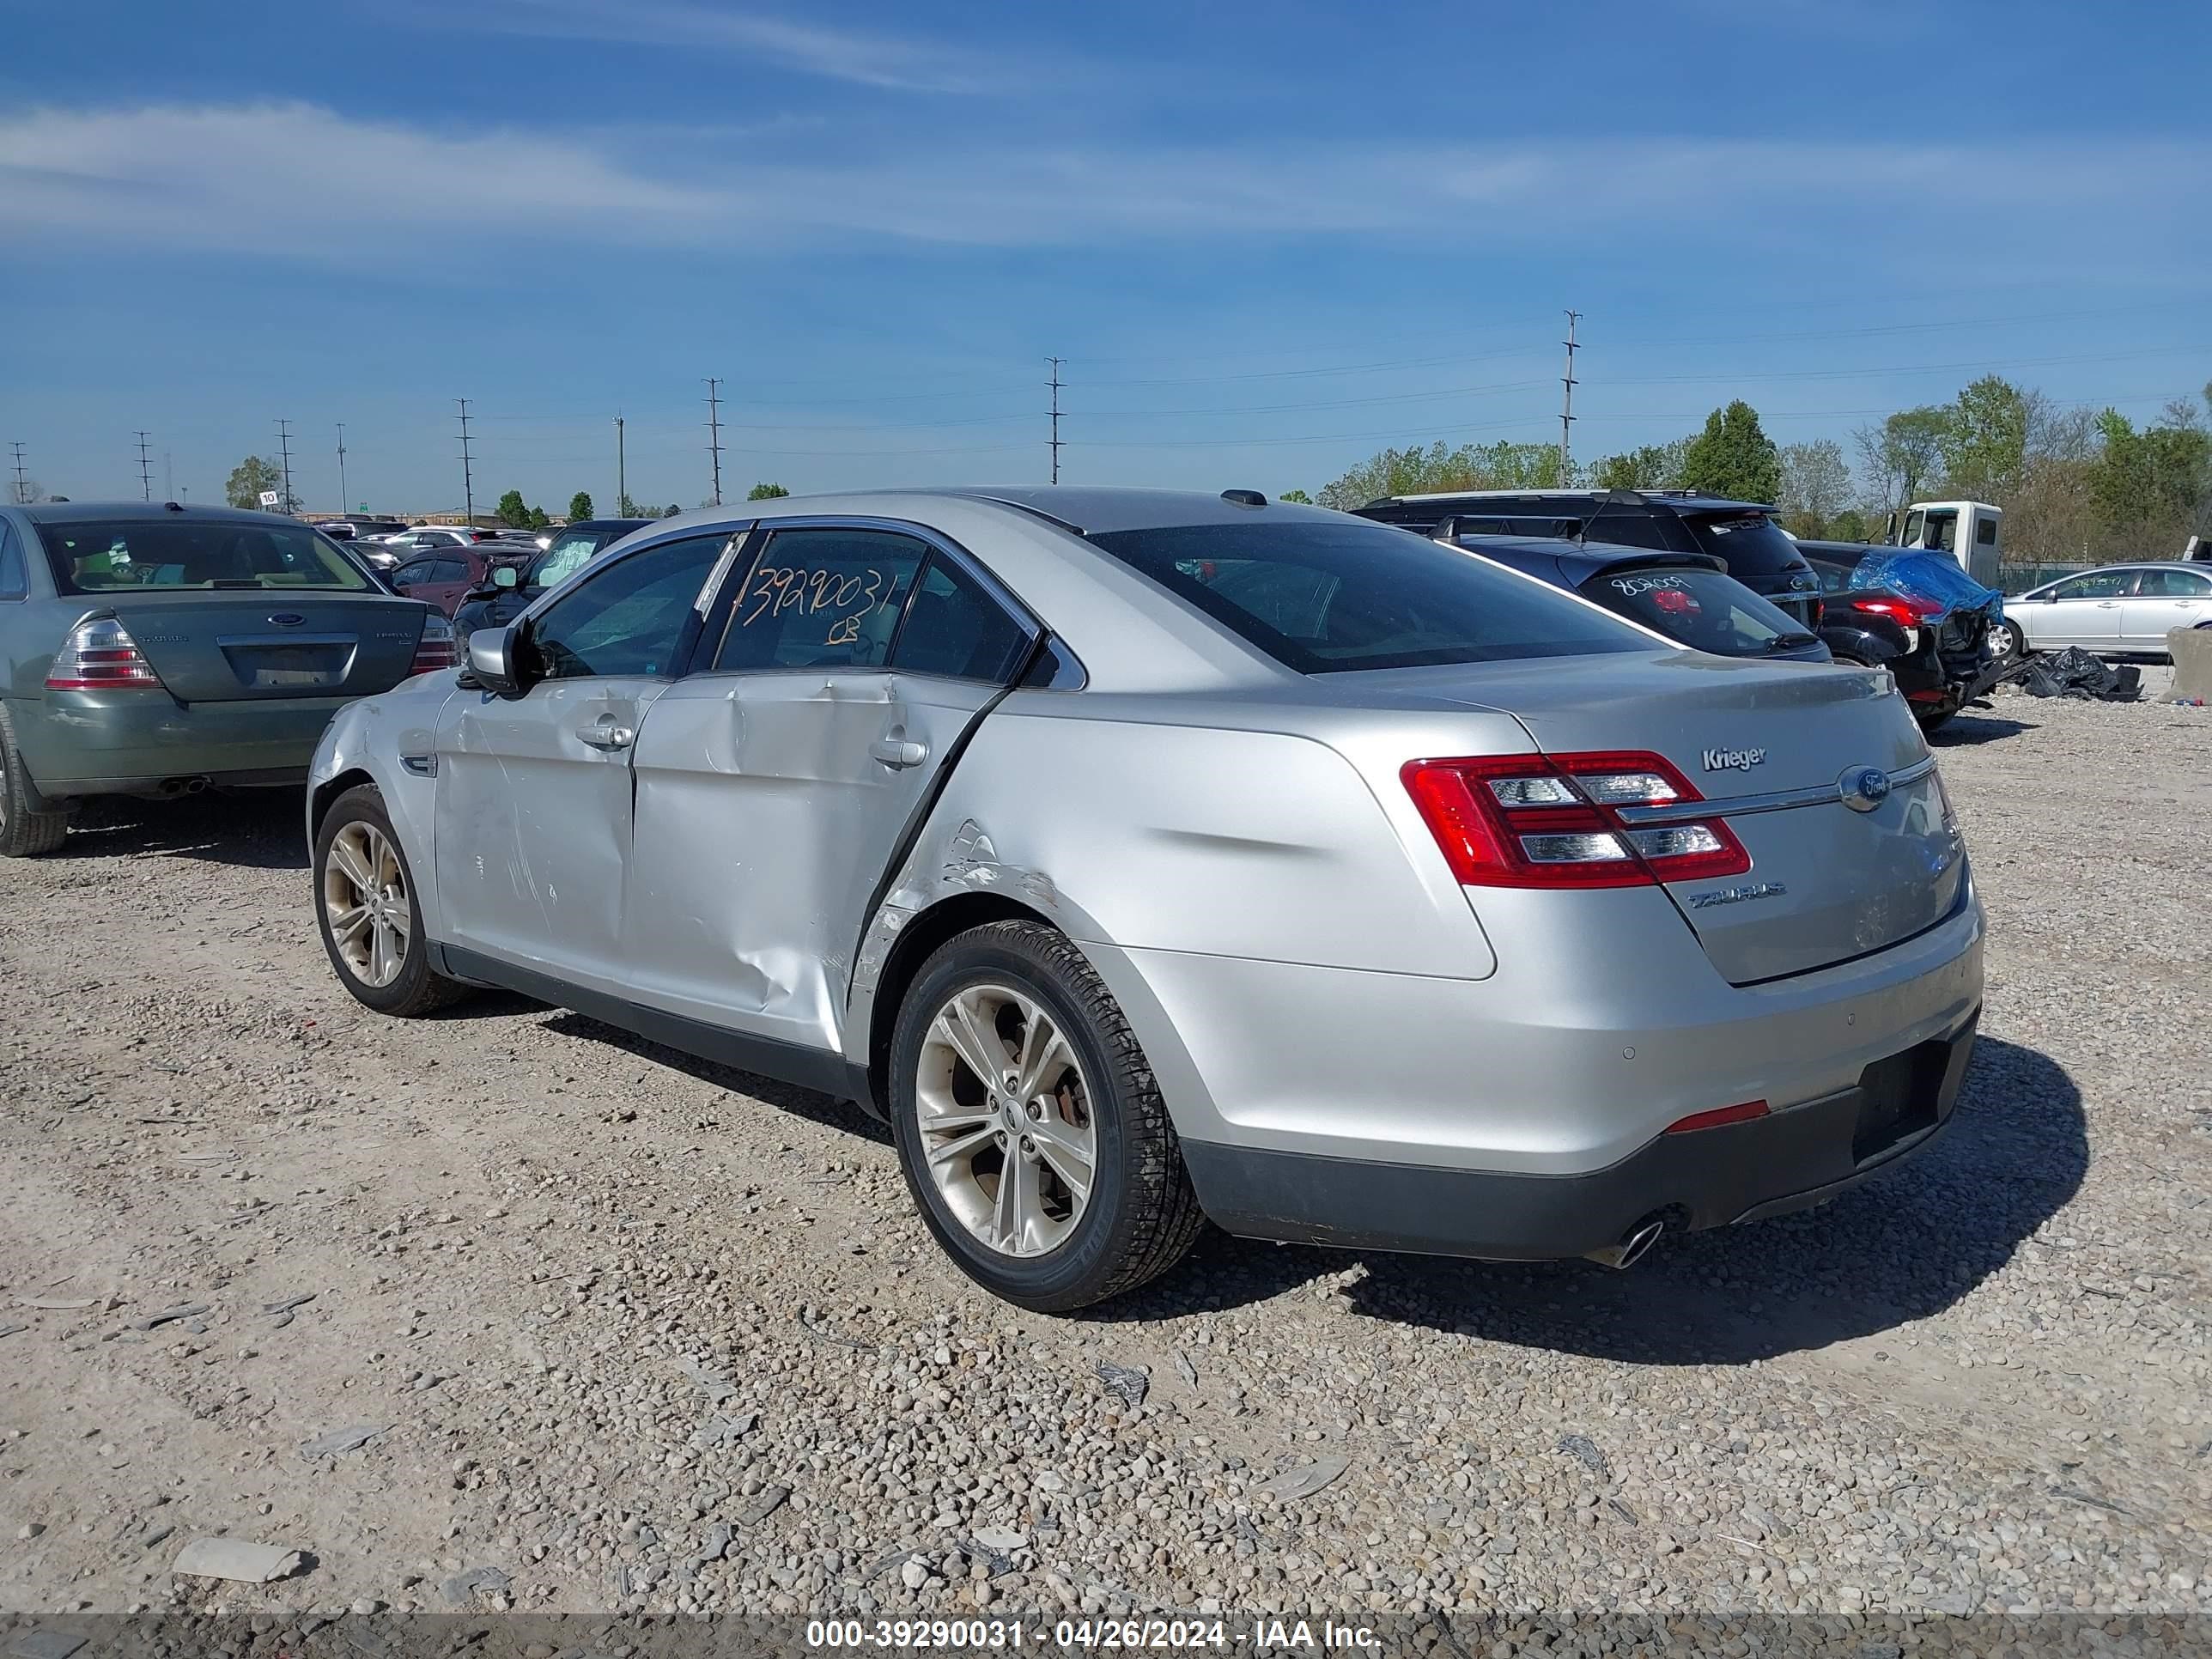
2152 584
1331 598
955 629
14 580
121 555
821 597
1701 609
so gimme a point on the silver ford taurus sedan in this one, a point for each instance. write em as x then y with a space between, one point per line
1145 856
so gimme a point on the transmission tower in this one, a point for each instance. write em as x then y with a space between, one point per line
468 463
1567 404
284 447
145 467
1055 383
714 431
23 483
344 500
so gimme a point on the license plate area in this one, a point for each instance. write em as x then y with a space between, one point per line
1898 1097
290 664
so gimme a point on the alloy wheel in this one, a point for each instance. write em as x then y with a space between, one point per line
1004 1116
366 904
2000 640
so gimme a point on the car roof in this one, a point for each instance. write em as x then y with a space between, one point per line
1677 501
623 525
1580 560
143 513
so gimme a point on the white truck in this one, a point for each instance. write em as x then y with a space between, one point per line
1971 533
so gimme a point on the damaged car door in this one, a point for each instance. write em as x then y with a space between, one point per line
775 783
533 792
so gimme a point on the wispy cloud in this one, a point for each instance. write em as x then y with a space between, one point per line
862 56
279 177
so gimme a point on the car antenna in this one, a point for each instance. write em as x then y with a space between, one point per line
1611 498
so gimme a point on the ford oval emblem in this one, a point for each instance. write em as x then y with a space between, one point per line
1864 787
286 619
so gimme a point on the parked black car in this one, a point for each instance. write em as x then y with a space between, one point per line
1940 657
1689 597
1742 535
509 590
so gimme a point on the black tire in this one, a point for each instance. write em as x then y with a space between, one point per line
1933 723
1141 1215
417 989
24 832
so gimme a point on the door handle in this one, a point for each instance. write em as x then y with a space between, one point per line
897 752
606 734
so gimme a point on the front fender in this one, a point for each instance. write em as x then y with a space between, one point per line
373 739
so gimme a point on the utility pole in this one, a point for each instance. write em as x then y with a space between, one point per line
1054 383
622 479
145 466
468 475
1567 402
285 441
23 483
714 433
345 500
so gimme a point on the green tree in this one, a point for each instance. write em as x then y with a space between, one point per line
249 478
513 512
626 508
539 519
2151 487
1900 456
1985 439
1734 457
1418 472
1849 525
579 506
1815 484
766 492
1297 495
673 509
1649 467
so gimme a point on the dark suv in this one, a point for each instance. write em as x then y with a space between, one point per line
1742 535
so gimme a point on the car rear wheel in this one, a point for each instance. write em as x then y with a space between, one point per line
1030 1128
29 826
366 909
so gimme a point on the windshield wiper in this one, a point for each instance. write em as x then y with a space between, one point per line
1791 641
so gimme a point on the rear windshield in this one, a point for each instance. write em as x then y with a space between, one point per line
1324 598
1752 543
173 553
1702 609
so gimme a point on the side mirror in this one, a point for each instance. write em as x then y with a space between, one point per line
492 660
505 577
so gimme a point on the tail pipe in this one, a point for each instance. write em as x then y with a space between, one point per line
1634 1245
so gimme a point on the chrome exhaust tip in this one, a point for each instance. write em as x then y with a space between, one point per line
1634 1246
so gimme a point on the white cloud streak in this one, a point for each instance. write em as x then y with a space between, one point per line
280 178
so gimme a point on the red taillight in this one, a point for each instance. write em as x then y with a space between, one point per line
100 655
435 650
1718 1116
1905 613
1674 600
1555 821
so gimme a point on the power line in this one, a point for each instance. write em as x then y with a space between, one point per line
145 466
468 474
1054 383
714 431
1567 401
284 443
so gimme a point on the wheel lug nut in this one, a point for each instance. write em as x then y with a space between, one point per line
1036 1111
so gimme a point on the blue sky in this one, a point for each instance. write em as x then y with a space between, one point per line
1267 240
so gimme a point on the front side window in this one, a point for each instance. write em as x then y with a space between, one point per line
2097 585
819 596
1331 598
183 552
953 628
630 618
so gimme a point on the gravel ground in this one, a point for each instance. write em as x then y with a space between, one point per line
628 1331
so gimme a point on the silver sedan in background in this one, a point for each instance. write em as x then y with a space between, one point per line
1146 856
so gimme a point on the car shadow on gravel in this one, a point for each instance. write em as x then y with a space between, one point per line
1965 730
822 1109
252 830
1906 1245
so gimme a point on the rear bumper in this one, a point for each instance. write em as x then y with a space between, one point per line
1706 1178
122 743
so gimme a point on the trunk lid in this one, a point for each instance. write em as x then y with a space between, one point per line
1775 747
228 645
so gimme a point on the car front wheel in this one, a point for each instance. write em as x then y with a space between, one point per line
1031 1131
2004 643
369 913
